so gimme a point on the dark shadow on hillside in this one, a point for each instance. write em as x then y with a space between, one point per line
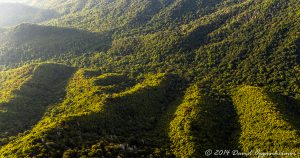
199 36
235 128
289 108
298 50
27 42
216 127
123 125
45 88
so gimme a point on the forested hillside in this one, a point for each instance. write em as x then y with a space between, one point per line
142 14
159 78
28 42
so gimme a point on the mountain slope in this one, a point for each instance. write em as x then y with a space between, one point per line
13 13
11 80
196 124
28 42
106 15
33 89
261 50
92 103
259 112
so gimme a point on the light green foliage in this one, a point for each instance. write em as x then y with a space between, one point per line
89 115
12 80
263 126
180 127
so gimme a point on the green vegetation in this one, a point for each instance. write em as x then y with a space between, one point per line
28 43
98 16
200 123
26 98
88 116
12 80
159 78
263 126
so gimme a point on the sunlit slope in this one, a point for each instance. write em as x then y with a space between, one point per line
106 15
265 126
12 80
100 16
27 92
114 115
106 115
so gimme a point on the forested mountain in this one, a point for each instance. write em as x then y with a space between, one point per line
104 15
65 6
159 78
28 42
13 14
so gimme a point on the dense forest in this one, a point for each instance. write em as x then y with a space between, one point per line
149 78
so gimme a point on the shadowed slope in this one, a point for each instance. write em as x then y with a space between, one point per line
289 108
91 114
44 86
202 122
29 42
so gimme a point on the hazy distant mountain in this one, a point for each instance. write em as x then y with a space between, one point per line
15 13
12 1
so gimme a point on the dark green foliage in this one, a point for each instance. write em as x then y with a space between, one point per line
28 42
118 124
202 122
106 15
30 101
